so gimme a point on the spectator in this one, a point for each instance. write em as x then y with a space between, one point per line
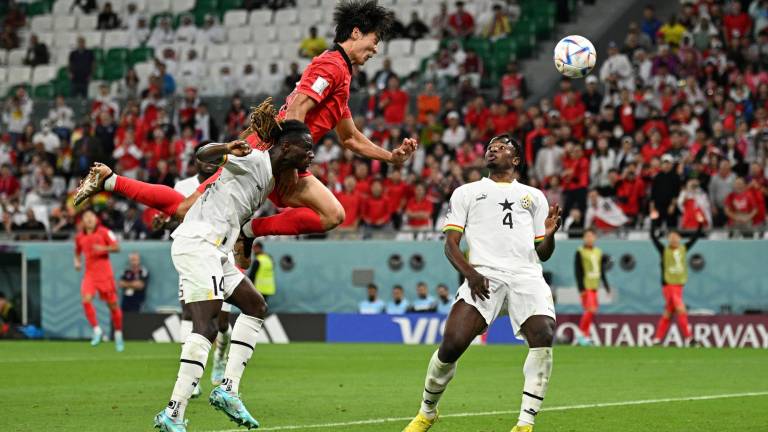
740 207
262 271
140 35
630 192
31 228
720 187
272 80
128 154
9 184
693 205
351 200
416 29
212 32
650 24
461 23
133 282
104 102
575 179
737 23
513 84
9 39
424 302
418 210
186 32
499 26
236 118
108 19
371 305
440 22
37 52
455 133
603 161
603 213
16 116
399 305
205 125
249 80
292 78
50 141
14 18
382 76
671 32
327 151
665 188
81 67
312 45
428 102
394 102
163 34
130 20
617 69
444 300
86 6
376 209
61 117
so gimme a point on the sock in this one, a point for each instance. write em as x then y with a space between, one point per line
185 330
682 322
292 221
194 354
222 340
109 183
244 336
536 370
204 185
661 328
117 318
160 197
439 374
90 314
585 323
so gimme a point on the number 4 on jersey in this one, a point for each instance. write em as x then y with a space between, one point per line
507 220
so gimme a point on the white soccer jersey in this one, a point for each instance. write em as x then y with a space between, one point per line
243 186
502 222
188 186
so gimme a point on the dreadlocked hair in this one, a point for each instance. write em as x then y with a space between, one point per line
366 15
263 122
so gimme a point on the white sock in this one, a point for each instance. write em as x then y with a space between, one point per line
244 336
97 329
194 354
536 370
185 330
439 374
222 341
109 183
118 334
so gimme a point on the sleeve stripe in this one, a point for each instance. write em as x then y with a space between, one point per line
538 239
451 227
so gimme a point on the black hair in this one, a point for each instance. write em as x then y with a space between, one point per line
589 229
289 129
373 285
259 244
400 287
264 122
366 15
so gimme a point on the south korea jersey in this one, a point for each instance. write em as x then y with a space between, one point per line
243 186
501 222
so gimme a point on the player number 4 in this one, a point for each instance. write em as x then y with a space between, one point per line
507 220
217 287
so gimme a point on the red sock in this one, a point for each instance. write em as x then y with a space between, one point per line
204 185
117 318
90 314
585 322
159 197
293 221
682 322
661 328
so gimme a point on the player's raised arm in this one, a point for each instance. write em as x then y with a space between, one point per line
356 141
216 153
299 107
545 246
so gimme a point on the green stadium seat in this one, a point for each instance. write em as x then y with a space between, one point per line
225 5
482 46
62 87
38 8
200 14
117 55
207 4
99 72
44 91
114 71
98 55
63 73
139 55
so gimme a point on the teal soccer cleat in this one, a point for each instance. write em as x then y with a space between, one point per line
166 424
233 407
119 342
97 335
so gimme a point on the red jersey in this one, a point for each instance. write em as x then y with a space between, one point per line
415 205
352 203
97 265
579 177
376 211
742 202
397 106
397 194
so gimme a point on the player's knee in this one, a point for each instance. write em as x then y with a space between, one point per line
223 322
450 350
542 335
208 329
87 299
333 218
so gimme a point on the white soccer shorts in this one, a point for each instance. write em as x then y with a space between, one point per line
525 296
205 272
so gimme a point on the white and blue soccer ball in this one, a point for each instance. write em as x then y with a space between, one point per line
575 56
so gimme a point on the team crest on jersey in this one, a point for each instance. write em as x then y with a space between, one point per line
526 202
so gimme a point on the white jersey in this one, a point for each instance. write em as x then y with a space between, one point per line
188 186
243 186
502 222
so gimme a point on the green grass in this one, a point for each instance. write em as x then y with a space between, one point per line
69 386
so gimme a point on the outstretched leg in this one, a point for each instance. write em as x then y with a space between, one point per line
539 332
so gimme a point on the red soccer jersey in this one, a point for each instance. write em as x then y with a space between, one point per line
414 205
376 211
397 194
397 105
740 202
97 264
352 203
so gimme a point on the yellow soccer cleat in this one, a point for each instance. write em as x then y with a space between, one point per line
420 423
526 428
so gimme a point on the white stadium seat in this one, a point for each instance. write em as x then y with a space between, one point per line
260 17
263 33
46 38
141 5
60 57
87 22
239 35
64 22
328 4
267 52
178 6
290 34
235 18
243 52
93 39
399 47
3 74
328 16
65 40
183 51
286 16
302 5
405 66
116 39
311 16
143 70
373 65
119 6
214 69
16 57
41 23
425 47
61 7
220 52
264 67
18 75
158 6
43 74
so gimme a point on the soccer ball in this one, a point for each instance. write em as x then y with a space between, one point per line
574 56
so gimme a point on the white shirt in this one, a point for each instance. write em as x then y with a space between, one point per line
326 154
243 186
618 64
453 138
188 186
186 34
62 117
501 222
213 35
161 37
51 141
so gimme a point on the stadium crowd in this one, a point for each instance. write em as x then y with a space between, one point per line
674 119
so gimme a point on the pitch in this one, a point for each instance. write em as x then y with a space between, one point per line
69 386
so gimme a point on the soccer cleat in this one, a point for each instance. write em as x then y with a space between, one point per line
166 424
231 405
119 342
97 335
93 183
583 341
197 391
421 423
217 373
526 428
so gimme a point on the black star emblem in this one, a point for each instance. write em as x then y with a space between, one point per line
506 205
